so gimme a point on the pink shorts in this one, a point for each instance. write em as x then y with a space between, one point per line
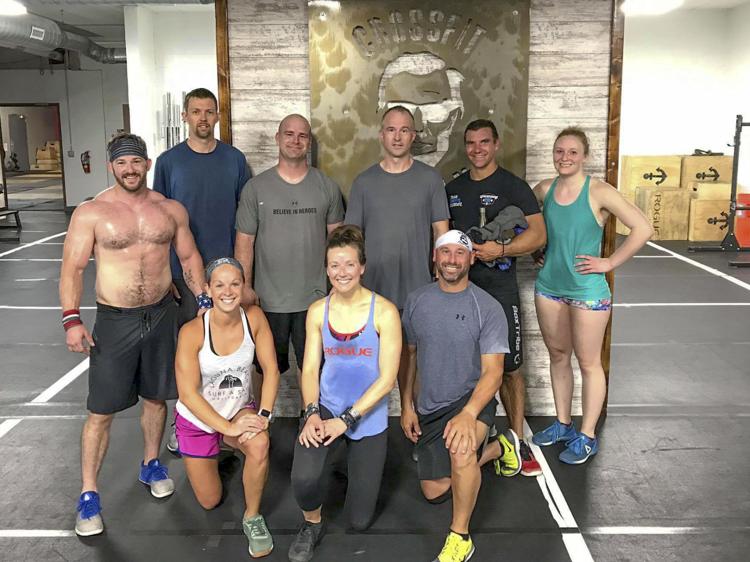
192 441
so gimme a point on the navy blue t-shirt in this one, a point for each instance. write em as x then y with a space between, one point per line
209 186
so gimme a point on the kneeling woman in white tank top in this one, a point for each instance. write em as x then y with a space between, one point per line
213 367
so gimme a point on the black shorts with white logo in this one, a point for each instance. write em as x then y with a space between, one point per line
433 459
133 355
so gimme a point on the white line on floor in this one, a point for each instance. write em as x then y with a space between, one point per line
30 279
34 533
574 543
13 307
643 304
652 257
40 241
699 265
7 425
62 382
48 393
658 530
48 417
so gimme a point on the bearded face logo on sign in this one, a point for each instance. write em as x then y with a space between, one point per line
447 68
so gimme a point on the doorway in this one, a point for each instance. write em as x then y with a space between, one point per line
31 141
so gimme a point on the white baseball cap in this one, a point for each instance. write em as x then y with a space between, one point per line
454 237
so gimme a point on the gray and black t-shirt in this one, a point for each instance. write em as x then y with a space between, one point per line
396 212
451 332
289 224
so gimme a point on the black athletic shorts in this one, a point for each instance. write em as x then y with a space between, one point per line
133 356
286 325
433 459
187 305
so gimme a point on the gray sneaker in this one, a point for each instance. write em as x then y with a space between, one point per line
89 519
172 445
304 543
259 540
155 476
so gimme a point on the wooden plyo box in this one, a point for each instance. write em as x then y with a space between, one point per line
706 169
656 171
699 229
710 190
666 209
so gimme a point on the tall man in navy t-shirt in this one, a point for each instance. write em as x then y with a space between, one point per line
206 176
488 186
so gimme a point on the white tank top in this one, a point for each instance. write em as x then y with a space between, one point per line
225 379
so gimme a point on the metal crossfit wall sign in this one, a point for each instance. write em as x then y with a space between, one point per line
448 65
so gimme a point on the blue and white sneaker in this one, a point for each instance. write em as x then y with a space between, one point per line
556 433
89 519
155 476
579 449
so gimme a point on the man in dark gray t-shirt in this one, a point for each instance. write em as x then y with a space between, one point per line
457 336
283 220
398 202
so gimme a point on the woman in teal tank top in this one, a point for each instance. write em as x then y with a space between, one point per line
572 297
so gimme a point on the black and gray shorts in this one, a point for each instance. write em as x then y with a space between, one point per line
133 355
434 459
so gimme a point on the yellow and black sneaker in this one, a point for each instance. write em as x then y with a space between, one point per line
456 549
509 462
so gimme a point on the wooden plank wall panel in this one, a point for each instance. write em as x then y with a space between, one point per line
568 85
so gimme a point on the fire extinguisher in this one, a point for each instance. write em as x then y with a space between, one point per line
86 162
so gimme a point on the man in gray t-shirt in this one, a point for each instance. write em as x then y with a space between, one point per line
283 219
457 336
397 202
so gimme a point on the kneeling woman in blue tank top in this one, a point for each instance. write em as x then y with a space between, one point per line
573 300
213 366
359 334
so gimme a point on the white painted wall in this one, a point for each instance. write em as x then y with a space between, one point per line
686 75
739 56
95 114
170 49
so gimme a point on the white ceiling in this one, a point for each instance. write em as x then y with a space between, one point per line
104 23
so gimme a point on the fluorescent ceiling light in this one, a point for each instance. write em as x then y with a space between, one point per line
649 7
11 8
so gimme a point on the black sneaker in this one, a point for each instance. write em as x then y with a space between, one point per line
304 543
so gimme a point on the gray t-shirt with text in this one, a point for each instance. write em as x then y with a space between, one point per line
289 224
451 332
396 212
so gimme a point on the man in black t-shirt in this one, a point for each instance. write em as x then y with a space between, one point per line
488 186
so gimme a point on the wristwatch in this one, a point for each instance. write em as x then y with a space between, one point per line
266 414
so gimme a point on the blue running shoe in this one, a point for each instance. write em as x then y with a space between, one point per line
155 476
89 518
555 433
579 449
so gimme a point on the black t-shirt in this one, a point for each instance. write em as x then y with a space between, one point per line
495 192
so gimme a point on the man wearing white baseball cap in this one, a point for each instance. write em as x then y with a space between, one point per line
458 335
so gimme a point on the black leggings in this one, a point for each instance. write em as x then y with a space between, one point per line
365 459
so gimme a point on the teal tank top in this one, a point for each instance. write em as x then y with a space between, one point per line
571 230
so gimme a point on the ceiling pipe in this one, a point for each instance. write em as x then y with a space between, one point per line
41 36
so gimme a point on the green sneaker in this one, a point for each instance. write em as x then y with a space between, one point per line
260 542
509 462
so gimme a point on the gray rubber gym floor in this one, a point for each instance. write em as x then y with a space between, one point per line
670 481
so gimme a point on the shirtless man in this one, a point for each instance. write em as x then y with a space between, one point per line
130 229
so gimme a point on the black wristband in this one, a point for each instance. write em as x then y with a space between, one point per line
311 409
350 417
